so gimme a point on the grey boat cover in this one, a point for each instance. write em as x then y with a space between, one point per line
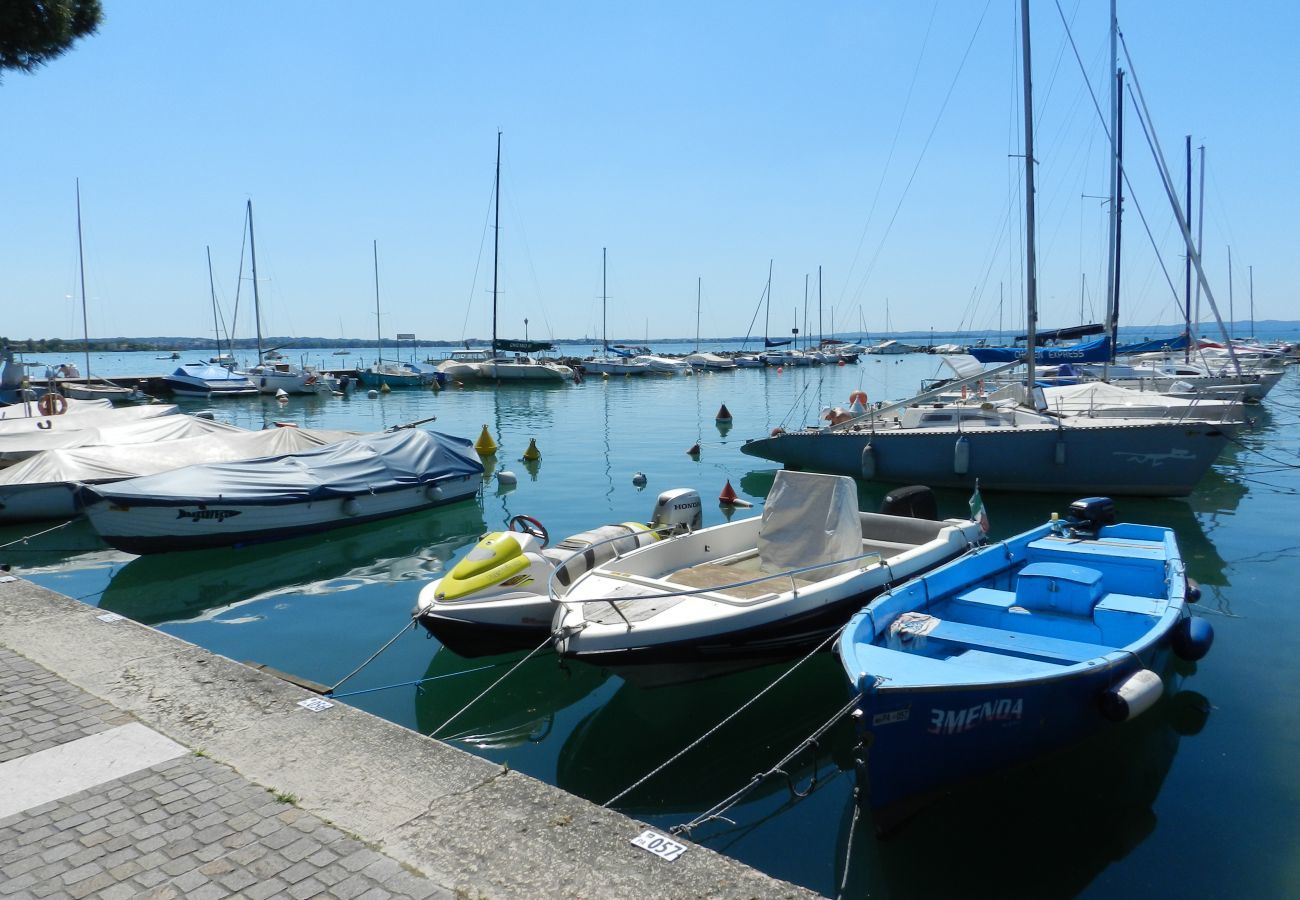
116 462
368 464
809 519
84 417
26 409
17 447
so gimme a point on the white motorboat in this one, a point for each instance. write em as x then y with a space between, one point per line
614 365
496 599
521 367
667 365
45 485
463 363
208 381
711 361
753 588
270 498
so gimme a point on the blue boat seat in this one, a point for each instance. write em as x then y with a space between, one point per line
1059 588
1123 618
1016 643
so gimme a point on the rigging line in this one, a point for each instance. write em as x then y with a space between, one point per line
716 811
455 715
23 540
239 285
373 656
893 144
532 268
730 716
862 285
478 262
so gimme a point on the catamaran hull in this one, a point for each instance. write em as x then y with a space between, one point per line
194 526
1143 460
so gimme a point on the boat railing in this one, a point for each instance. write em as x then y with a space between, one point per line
718 590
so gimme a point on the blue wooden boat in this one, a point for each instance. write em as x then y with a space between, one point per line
1012 651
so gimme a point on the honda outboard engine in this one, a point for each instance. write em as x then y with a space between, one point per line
677 511
916 501
1085 517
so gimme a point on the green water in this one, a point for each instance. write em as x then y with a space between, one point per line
1196 797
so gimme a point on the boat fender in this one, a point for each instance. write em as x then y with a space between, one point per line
1193 638
1132 696
350 507
961 456
869 461
434 492
1193 591
52 404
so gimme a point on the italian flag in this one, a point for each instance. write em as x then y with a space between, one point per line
977 512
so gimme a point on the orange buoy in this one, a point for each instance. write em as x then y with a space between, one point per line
724 414
856 396
728 497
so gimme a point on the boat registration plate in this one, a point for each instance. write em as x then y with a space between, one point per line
659 845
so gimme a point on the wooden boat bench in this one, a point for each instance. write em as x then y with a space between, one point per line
1037 646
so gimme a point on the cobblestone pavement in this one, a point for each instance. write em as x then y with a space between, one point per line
188 827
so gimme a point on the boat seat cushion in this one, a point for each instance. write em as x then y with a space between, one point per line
1017 643
1058 587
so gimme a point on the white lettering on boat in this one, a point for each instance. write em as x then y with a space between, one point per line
959 721
196 514
889 718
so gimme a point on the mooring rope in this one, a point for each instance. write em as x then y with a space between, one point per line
486 690
716 811
848 845
417 681
372 658
699 740
23 540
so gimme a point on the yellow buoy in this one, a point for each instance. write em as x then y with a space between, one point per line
532 453
485 446
384 388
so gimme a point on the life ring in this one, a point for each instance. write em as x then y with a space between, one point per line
52 404
529 525
858 396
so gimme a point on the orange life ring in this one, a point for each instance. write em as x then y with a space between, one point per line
52 404
857 396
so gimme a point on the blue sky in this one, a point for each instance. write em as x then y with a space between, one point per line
692 140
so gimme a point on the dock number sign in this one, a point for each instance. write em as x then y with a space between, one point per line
659 845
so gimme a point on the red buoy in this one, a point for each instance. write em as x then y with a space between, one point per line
724 414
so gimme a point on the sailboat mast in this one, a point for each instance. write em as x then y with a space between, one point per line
604 299
1031 270
821 333
767 310
379 329
1112 247
496 243
212 289
1187 266
1251 270
1119 215
699 282
1200 247
81 267
1232 316
805 312
257 305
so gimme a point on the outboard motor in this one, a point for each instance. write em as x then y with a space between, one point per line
1086 517
677 511
916 501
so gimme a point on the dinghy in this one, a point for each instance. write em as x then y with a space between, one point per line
223 504
1020 648
753 589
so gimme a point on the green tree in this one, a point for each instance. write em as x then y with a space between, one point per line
33 32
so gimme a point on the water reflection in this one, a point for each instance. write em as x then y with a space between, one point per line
171 587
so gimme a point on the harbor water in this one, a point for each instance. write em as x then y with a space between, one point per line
1196 797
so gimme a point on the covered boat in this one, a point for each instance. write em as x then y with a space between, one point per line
1020 648
47 484
220 504
205 380
22 438
754 588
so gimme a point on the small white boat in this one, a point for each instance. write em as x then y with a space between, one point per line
224 504
523 368
711 361
751 589
208 381
463 363
667 365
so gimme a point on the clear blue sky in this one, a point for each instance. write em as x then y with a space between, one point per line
693 140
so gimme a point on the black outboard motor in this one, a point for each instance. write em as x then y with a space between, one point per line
916 501
1085 517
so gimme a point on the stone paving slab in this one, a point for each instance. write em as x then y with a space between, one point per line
373 810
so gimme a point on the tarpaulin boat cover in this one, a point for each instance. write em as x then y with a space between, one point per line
82 417
208 373
27 409
809 519
113 463
1088 351
15 447
369 464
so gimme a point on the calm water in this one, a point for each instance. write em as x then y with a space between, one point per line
1197 797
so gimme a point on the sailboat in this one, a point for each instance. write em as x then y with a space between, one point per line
392 374
520 366
1009 446
704 360
606 364
273 377
89 390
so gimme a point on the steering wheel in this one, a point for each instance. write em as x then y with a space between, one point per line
529 525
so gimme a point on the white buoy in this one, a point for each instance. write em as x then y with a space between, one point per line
281 394
507 478
372 394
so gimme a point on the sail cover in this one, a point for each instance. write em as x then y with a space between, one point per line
1088 351
1159 345
369 464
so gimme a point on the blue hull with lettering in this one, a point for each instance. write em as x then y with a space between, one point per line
1013 651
